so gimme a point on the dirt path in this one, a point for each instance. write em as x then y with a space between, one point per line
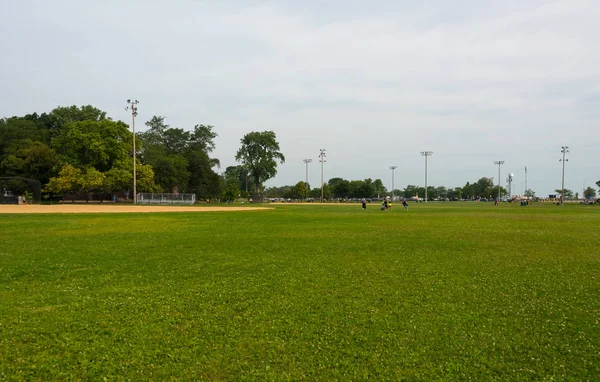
83 208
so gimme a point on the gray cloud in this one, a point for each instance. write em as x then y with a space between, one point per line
373 82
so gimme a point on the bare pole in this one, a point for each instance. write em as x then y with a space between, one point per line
499 163
306 162
133 106
526 181
426 154
393 168
322 155
564 150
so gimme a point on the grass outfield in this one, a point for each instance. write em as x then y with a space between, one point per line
450 291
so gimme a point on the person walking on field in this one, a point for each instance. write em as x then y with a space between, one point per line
364 204
405 205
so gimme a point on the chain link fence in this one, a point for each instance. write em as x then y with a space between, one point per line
164 198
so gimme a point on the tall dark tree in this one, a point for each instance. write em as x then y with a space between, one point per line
259 154
340 188
180 158
241 177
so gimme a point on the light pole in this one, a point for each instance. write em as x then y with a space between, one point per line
499 163
133 106
393 168
322 155
426 154
306 162
564 150
526 181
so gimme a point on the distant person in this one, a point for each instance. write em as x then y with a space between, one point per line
364 204
383 206
405 205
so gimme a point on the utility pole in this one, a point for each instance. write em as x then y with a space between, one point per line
393 168
322 155
499 163
426 154
133 106
564 150
306 162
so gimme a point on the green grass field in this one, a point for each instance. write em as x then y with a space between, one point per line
452 291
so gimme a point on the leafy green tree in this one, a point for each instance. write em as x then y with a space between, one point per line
203 138
29 159
92 180
240 176
145 179
180 158
484 188
441 192
412 190
98 144
15 129
379 188
598 184
69 114
277 192
340 188
171 172
230 192
454 194
589 193
432 193
120 179
69 180
529 193
315 193
203 181
299 191
365 189
259 154
568 193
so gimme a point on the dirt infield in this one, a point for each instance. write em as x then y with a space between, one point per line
85 209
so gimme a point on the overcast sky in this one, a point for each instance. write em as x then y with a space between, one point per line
373 82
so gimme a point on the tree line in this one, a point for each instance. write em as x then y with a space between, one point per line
339 188
80 150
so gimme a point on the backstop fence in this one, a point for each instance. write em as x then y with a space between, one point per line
164 198
13 187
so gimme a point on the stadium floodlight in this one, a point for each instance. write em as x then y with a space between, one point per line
426 154
393 168
564 150
322 155
306 162
134 112
498 163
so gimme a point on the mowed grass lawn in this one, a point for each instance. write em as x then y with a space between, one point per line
451 291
